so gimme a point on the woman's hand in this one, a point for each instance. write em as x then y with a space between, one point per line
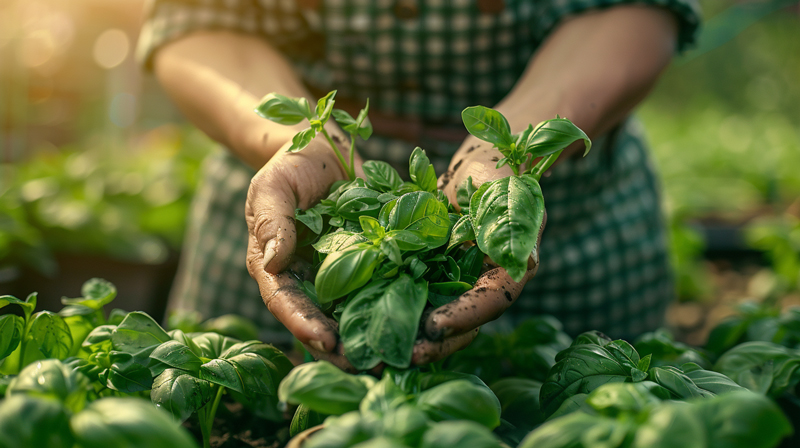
452 327
285 183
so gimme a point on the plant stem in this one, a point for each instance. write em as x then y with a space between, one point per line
352 156
515 169
338 154
206 417
544 164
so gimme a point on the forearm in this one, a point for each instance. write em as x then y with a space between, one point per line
216 79
594 69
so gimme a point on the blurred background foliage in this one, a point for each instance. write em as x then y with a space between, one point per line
94 159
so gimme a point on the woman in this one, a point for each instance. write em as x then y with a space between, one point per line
604 261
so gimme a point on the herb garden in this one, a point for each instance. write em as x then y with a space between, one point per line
385 250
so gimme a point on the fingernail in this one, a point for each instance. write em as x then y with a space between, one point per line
269 254
317 345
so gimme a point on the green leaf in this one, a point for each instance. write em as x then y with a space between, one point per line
232 325
644 363
281 363
311 218
381 176
284 110
50 378
180 393
671 426
554 135
325 106
324 388
464 193
303 419
301 140
259 376
422 172
96 293
442 293
372 228
678 384
11 328
48 336
338 241
488 125
213 345
581 368
222 372
421 214
27 421
741 419
357 202
345 271
127 422
354 322
177 355
519 401
27 305
129 373
394 324
762 367
714 382
462 232
506 216
136 332
99 338
391 250
461 400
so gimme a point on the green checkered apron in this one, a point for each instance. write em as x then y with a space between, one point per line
604 262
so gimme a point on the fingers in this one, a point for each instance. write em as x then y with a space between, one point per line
493 293
285 300
426 352
287 182
335 357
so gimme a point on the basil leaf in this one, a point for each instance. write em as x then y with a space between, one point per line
461 400
27 421
177 355
554 135
470 262
345 271
11 328
395 320
213 345
337 241
372 228
354 322
358 201
762 367
50 378
48 336
420 213
460 433
488 125
421 170
464 193
323 387
440 294
27 305
96 293
120 422
301 140
137 332
390 248
381 176
406 240
180 393
462 232
311 218
325 106
507 215
284 110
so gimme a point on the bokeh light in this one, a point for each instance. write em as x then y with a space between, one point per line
111 48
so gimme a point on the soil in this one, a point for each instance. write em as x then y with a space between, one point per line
691 322
236 427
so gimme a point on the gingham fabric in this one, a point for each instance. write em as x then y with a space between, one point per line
604 261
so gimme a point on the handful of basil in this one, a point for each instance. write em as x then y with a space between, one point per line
387 249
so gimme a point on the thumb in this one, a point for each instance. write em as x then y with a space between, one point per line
269 212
